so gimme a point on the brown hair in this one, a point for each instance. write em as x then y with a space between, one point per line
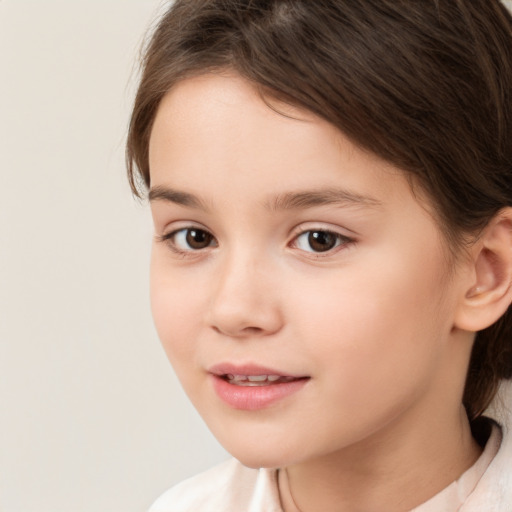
424 84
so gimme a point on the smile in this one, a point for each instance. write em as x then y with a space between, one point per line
251 388
255 380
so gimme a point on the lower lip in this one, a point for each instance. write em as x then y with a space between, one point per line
251 398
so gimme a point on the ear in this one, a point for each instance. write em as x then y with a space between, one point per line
488 291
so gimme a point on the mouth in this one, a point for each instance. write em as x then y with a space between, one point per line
250 387
257 380
252 374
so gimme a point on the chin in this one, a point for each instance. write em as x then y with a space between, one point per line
260 454
259 460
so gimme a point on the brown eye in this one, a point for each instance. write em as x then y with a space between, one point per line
319 240
190 239
198 238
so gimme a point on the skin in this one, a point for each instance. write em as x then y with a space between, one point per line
379 425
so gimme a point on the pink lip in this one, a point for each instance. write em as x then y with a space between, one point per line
252 398
248 369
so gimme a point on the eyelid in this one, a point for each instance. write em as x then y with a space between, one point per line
171 228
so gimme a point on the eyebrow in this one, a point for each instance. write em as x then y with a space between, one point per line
299 200
177 197
310 198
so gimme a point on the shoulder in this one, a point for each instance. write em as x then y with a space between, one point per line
493 492
227 487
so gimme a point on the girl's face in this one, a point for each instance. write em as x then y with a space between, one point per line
283 250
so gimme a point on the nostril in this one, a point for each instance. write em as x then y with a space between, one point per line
252 330
244 331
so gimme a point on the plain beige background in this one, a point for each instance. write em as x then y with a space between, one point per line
92 418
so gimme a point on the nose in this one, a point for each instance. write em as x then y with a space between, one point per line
245 300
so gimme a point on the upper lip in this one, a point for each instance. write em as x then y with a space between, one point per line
248 369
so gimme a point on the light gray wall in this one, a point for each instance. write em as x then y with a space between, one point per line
91 417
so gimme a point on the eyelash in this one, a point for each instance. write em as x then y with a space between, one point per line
340 241
170 240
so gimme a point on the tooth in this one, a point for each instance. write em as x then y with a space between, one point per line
239 377
273 378
257 378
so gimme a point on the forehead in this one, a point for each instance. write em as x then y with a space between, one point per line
211 124
208 108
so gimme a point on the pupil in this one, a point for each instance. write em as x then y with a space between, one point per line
321 241
198 239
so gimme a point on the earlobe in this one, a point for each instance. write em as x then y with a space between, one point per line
489 293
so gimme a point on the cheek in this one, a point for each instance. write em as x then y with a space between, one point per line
176 310
375 325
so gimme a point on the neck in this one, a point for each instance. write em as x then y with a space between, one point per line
396 470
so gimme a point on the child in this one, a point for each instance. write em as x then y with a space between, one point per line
331 188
